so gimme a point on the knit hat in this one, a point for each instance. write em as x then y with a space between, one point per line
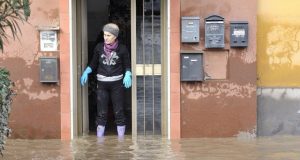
111 28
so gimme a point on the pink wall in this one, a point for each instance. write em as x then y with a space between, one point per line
224 105
65 107
36 107
175 69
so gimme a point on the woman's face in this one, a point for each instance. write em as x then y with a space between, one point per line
109 38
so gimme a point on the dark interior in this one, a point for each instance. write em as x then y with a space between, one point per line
100 13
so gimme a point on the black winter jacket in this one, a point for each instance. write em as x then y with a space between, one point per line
116 65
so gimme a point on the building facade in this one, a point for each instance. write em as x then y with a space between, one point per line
249 89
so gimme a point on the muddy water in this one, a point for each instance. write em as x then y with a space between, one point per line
110 147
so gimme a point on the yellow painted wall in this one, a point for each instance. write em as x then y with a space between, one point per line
278 47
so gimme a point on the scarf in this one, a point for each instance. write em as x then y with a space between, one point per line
108 48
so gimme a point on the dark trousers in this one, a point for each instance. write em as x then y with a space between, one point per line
115 91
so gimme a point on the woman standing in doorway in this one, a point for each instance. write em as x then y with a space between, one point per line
112 63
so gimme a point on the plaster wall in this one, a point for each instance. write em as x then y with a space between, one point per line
225 104
278 111
36 107
278 68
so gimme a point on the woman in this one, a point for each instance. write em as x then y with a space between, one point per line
110 61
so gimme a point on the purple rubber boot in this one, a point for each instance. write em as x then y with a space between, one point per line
121 131
100 131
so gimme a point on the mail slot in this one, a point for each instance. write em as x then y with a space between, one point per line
192 66
238 34
48 69
190 29
214 32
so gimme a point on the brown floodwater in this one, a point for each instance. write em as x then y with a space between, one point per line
144 148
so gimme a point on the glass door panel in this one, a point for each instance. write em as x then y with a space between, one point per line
148 67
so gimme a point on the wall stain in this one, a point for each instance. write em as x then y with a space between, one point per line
283 46
225 8
51 15
192 91
250 134
202 7
42 95
278 111
247 55
27 80
279 55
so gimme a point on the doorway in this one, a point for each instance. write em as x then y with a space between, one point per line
98 14
143 31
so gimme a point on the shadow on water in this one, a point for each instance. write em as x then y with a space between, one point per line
110 147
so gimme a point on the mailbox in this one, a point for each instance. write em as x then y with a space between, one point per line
48 69
214 32
191 66
238 34
190 29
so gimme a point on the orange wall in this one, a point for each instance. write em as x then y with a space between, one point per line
278 36
36 107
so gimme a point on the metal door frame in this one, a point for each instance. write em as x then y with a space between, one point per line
164 69
79 108
79 57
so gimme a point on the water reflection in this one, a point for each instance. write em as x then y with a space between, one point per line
110 147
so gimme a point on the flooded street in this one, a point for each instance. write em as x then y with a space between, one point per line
110 147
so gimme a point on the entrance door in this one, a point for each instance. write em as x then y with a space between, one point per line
79 58
148 90
147 68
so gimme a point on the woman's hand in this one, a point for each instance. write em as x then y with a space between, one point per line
84 77
127 79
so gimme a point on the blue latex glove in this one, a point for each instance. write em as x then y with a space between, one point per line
84 76
127 79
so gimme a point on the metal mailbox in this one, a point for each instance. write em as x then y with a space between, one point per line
191 66
238 34
48 69
190 29
214 32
